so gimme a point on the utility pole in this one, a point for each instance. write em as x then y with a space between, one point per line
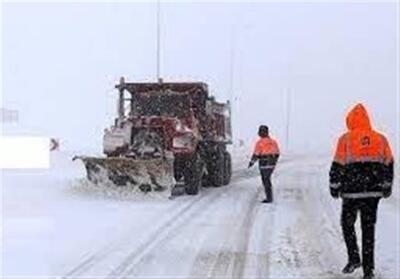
231 90
288 104
158 39
232 64
234 95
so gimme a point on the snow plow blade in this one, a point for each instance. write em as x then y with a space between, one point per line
148 175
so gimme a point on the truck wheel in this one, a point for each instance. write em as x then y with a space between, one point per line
193 175
217 169
227 168
206 181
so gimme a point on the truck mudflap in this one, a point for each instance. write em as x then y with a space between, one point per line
147 174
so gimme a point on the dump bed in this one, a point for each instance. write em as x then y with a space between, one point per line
213 117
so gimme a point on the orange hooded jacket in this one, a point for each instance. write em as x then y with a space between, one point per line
361 143
363 162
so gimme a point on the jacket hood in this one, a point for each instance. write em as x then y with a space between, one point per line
358 119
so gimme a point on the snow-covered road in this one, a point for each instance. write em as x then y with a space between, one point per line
52 230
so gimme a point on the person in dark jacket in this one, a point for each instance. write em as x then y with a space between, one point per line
266 152
361 174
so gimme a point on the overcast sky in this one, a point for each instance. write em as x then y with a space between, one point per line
60 62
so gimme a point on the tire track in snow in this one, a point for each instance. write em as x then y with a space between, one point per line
234 257
334 252
148 260
244 237
241 260
240 236
127 266
322 236
300 247
284 255
92 259
264 259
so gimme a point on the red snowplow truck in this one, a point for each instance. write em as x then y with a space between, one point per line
166 134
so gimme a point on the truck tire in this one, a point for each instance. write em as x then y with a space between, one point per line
216 169
193 174
227 168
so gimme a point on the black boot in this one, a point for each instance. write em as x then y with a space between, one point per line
266 201
350 267
369 275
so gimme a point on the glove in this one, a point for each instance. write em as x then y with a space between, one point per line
334 189
251 163
387 193
386 189
334 193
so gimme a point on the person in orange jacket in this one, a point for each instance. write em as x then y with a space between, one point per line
266 152
361 174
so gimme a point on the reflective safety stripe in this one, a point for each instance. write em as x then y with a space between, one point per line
334 185
361 195
372 159
386 185
388 161
340 161
267 167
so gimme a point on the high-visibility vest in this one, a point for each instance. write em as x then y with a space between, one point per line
266 146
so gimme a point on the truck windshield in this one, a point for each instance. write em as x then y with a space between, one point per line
161 104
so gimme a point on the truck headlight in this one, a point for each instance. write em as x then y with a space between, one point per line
182 141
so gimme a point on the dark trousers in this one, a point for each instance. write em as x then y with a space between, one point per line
368 211
266 180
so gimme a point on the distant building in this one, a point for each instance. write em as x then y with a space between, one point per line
8 115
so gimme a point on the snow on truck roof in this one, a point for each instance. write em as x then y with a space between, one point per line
182 87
